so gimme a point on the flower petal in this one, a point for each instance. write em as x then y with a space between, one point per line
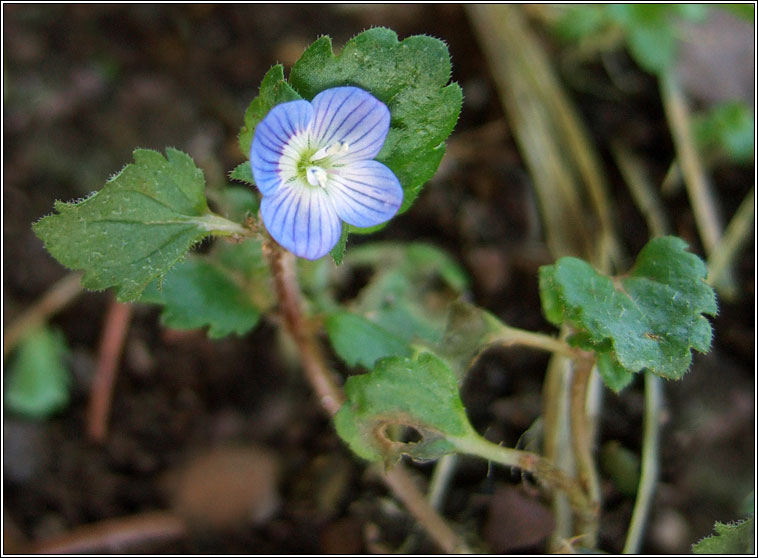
350 116
365 193
302 219
272 135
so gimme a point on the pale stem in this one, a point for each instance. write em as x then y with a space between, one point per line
649 471
698 188
331 396
219 226
508 336
443 473
545 472
736 234
582 445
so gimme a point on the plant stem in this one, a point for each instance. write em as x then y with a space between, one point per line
737 232
507 336
56 298
582 446
701 196
543 469
331 396
649 472
101 392
219 226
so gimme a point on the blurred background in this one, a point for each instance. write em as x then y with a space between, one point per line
223 436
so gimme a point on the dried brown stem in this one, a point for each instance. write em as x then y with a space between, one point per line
331 396
56 298
114 535
111 345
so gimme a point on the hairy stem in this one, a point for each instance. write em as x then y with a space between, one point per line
649 472
331 396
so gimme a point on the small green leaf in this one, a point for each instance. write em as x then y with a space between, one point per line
419 392
411 77
650 318
274 90
38 381
396 298
730 538
730 127
652 46
243 173
467 332
140 224
196 293
338 252
359 341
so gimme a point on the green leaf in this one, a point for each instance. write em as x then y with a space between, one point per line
274 90
650 318
397 296
467 332
338 252
419 392
411 77
652 46
38 381
730 538
243 173
196 294
730 127
139 225
359 341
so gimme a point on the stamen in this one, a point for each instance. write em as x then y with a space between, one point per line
316 176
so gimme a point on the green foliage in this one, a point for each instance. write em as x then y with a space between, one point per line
133 230
359 341
419 392
730 538
243 173
196 293
400 296
650 318
38 380
649 29
273 91
338 252
411 77
467 332
622 466
729 127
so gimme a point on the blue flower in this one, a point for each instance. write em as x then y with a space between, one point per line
313 163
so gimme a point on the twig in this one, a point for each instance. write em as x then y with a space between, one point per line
56 298
331 396
581 443
737 232
649 472
115 535
101 394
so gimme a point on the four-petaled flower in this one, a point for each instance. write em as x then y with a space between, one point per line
313 163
